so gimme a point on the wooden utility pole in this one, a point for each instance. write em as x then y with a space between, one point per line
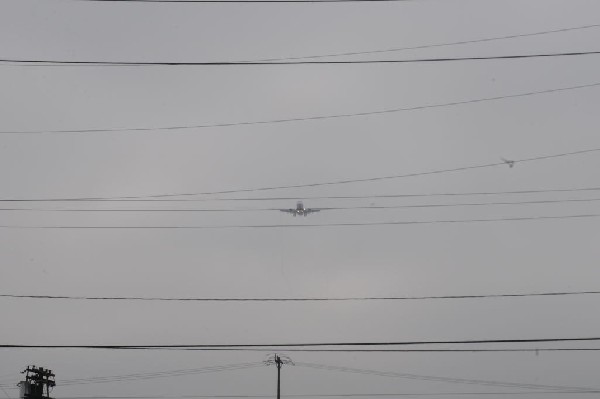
278 361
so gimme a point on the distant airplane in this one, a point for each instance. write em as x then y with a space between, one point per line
508 162
300 210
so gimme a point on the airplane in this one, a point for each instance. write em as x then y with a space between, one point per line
508 162
300 210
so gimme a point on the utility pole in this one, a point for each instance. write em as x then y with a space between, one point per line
37 379
278 361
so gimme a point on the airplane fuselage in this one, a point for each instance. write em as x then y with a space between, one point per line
300 210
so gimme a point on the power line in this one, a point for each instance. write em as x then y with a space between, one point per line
343 208
391 351
320 184
271 226
438 379
160 374
318 197
306 299
308 350
310 118
342 395
371 196
138 376
283 63
434 45
5 393
245 1
147 376
314 344
419 47
339 395
154 375
131 377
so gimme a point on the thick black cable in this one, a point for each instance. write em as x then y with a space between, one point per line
245 1
276 226
309 118
320 184
480 350
309 350
314 344
300 299
340 395
283 63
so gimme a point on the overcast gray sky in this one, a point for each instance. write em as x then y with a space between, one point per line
397 260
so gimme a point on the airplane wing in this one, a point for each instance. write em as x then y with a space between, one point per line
288 210
311 210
